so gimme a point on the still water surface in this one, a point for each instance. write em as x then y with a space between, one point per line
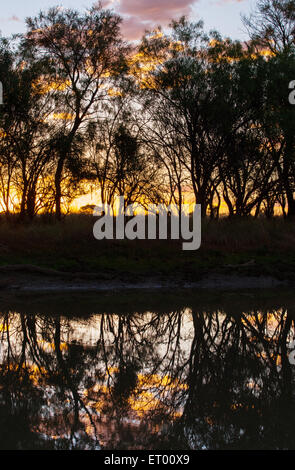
189 374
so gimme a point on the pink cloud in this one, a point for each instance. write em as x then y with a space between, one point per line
11 18
132 28
145 14
14 18
156 10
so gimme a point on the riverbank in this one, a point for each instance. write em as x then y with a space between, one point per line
85 303
28 278
50 256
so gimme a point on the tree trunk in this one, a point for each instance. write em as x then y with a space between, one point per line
58 193
291 205
22 213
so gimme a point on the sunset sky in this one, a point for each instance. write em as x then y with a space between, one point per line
223 15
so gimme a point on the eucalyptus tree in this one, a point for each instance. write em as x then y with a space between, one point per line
248 175
170 156
25 131
7 157
86 54
279 122
121 159
201 93
179 96
272 25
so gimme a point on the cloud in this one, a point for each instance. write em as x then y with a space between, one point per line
14 18
145 14
132 28
11 18
156 10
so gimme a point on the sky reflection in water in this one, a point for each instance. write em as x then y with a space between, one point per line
184 379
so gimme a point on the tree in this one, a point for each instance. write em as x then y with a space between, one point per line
86 54
181 94
203 97
272 25
26 138
122 163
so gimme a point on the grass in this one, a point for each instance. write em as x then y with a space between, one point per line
250 246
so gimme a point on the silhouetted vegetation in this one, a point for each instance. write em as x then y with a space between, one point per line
181 113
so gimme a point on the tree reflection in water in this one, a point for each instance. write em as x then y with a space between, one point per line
180 380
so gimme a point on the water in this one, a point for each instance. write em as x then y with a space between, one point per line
148 371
